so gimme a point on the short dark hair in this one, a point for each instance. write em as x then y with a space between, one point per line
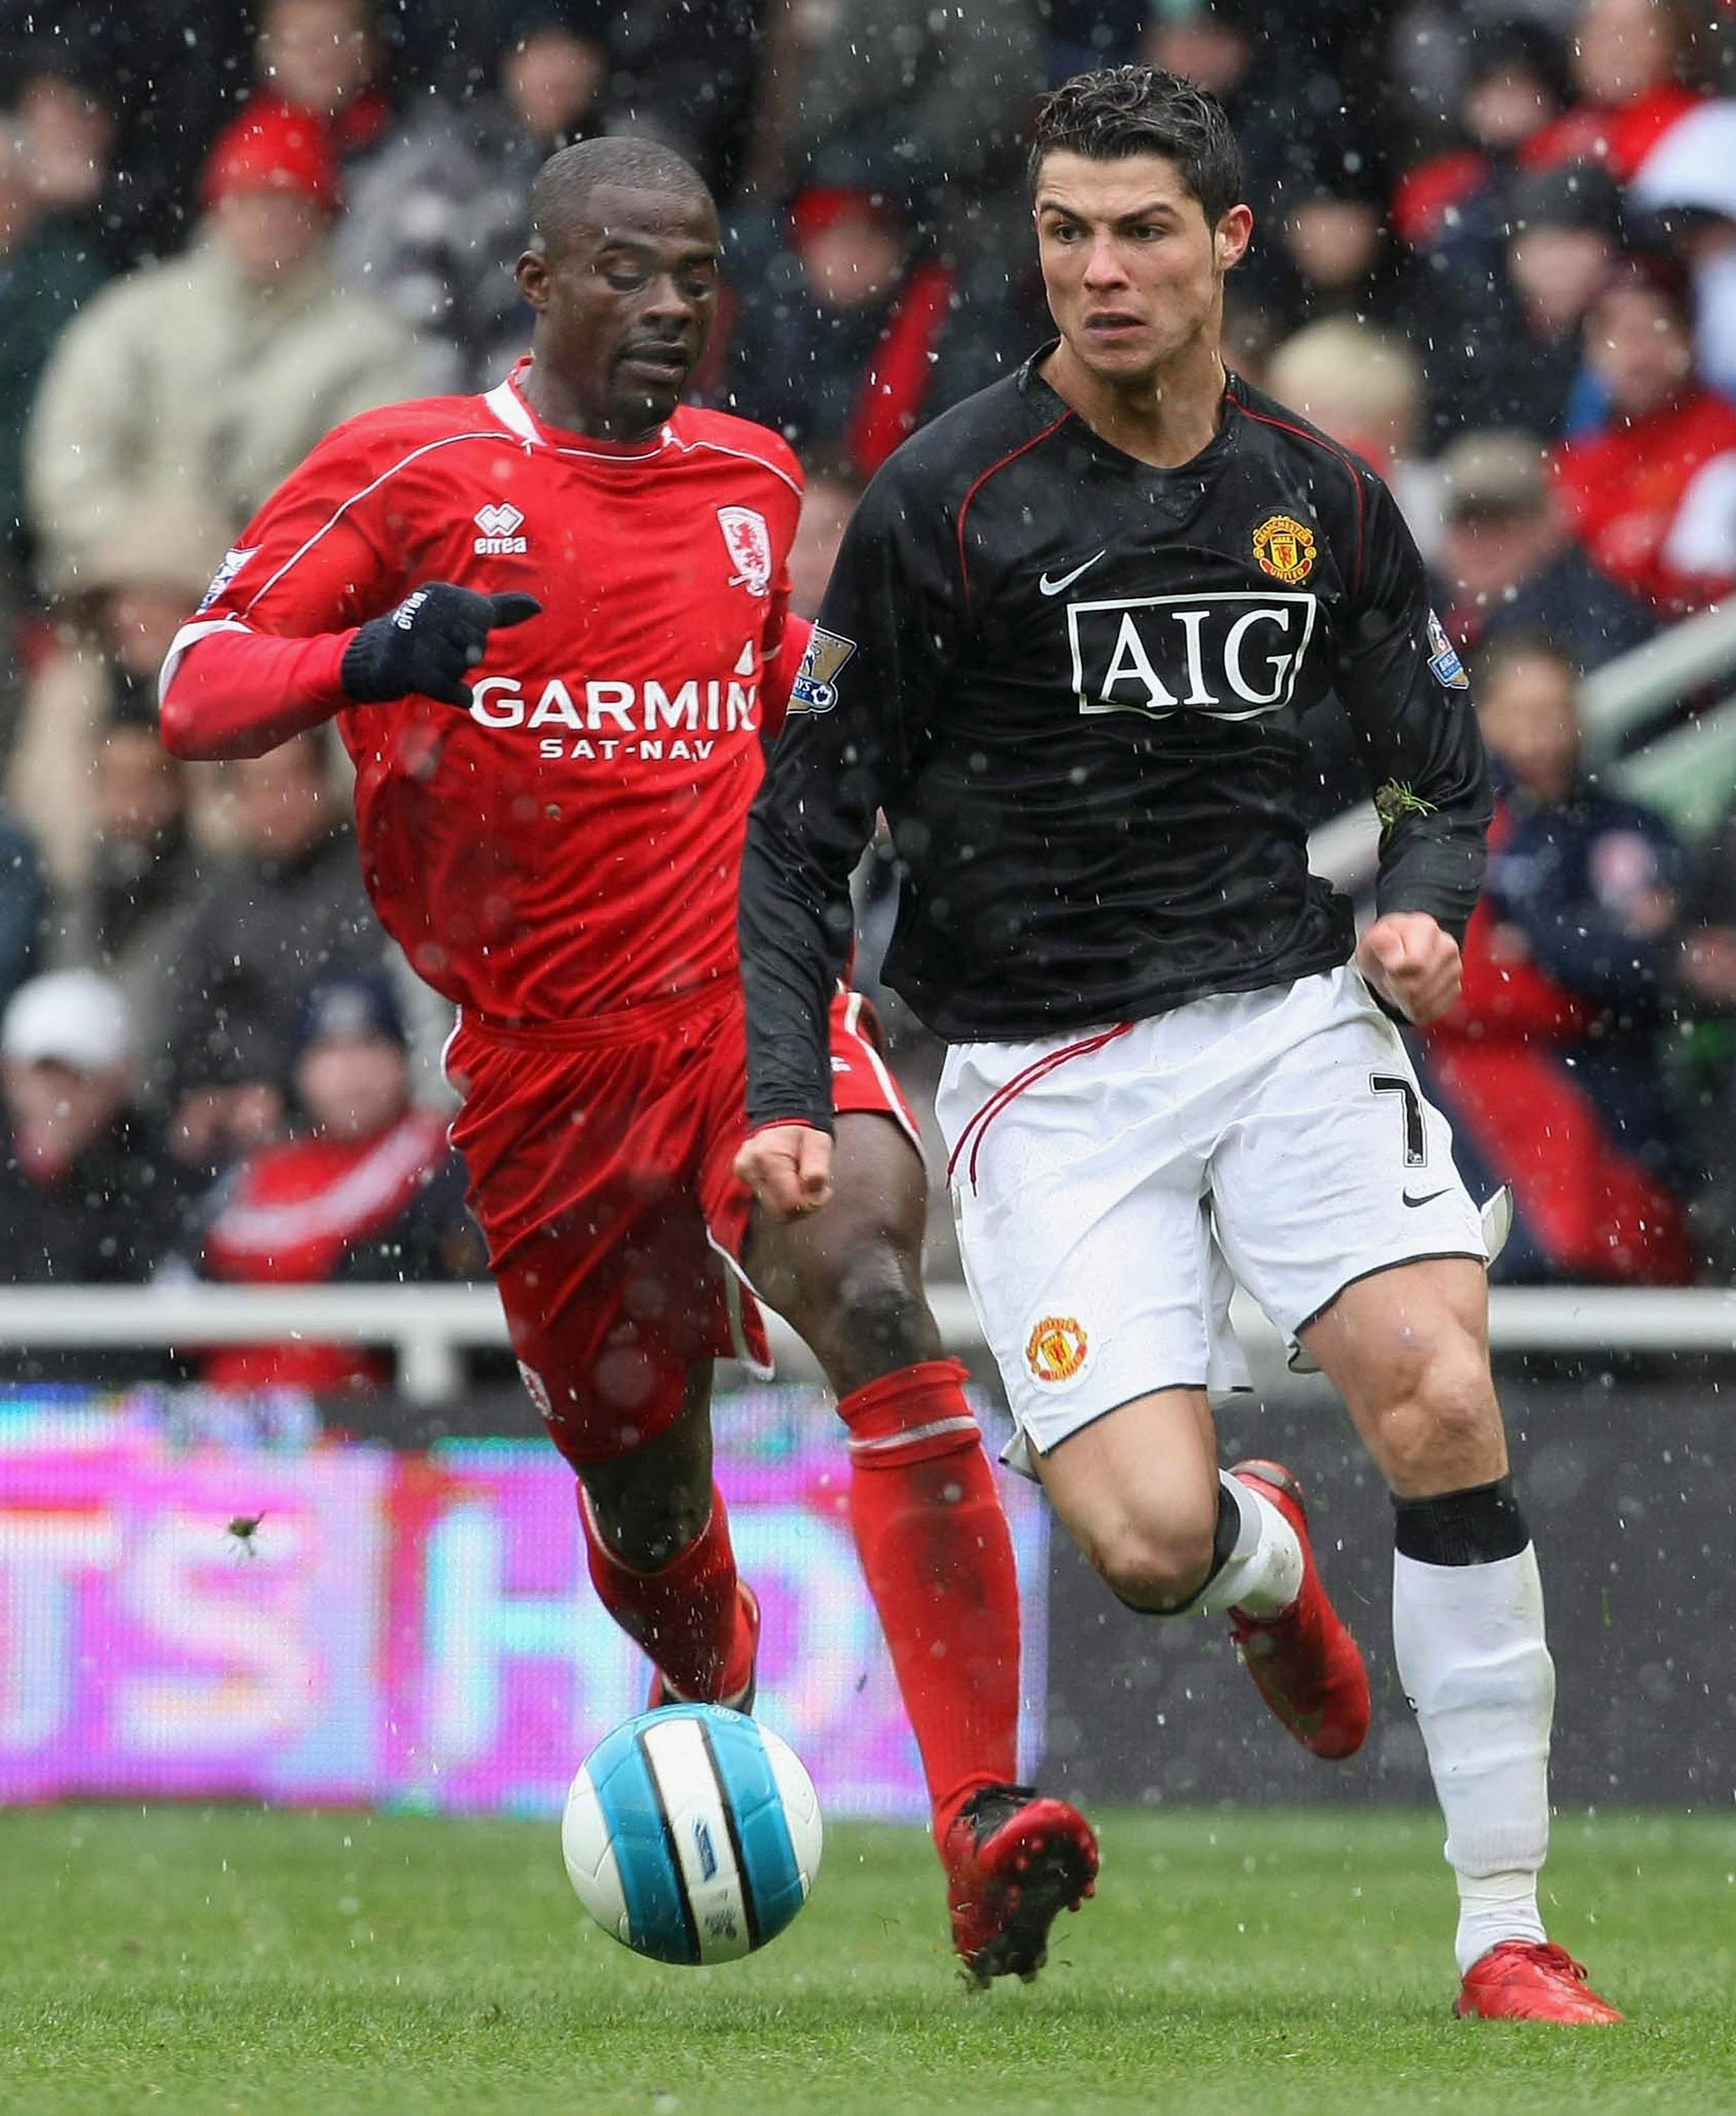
565 182
1143 110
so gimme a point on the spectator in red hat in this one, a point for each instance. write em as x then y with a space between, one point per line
930 104
1623 488
202 380
271 186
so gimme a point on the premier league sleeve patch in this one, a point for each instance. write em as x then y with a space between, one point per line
1444 665
232 565
815 687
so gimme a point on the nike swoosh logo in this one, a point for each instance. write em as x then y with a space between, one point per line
1429 1200
1055 587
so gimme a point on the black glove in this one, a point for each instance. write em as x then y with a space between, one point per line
427 644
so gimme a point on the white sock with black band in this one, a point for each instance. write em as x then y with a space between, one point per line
1468 1637
1262 1573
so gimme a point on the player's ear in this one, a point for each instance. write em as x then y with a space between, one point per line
1232 237
532 275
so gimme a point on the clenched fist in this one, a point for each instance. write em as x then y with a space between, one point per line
427 646
788 1168
1412 962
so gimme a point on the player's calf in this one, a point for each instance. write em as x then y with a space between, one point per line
935 1546
1139 1491
1258 1567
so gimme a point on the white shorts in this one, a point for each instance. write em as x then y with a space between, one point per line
1111 1187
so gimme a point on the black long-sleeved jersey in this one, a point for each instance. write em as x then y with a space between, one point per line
1075 683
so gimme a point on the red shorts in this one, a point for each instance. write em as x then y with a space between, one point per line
601 1166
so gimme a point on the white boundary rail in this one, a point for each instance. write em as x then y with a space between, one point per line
429 1327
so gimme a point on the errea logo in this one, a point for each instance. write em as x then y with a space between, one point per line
498 523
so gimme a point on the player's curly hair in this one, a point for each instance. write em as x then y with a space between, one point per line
1143 110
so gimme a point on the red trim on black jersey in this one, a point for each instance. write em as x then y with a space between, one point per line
1338 454
1012 455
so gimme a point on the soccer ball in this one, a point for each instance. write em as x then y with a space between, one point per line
692 1834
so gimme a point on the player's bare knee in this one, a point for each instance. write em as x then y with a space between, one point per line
1446 1430
868 1318
1152 1567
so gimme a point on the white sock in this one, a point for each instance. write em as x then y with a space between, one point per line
1264 1572
1468 1640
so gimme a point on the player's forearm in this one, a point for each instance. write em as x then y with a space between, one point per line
794 939
231 692
1435 805
1435 865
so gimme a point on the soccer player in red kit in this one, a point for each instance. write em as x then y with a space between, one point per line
551 624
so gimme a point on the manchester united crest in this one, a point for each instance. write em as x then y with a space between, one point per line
1057 1349
1284 547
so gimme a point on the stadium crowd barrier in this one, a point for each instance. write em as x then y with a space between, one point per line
430 1327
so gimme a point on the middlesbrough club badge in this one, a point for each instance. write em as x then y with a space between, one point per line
749 544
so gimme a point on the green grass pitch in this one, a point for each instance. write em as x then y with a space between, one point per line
221 1958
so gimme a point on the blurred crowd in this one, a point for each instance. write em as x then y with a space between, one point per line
1495 253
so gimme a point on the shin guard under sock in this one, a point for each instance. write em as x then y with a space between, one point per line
686 1615
932 1536
1467 1634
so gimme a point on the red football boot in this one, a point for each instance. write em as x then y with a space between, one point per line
1529 1980
740 1697
1304 1662
1014 1859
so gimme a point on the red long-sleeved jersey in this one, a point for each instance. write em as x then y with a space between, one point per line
573 843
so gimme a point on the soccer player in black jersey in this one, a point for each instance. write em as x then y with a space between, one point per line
1067 648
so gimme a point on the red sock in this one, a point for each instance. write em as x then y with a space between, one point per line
687 1614
933 1539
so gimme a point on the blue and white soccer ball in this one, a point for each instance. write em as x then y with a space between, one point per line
692 1834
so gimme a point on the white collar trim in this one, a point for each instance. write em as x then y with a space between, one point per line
511 411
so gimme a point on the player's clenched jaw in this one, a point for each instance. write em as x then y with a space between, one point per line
623 278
